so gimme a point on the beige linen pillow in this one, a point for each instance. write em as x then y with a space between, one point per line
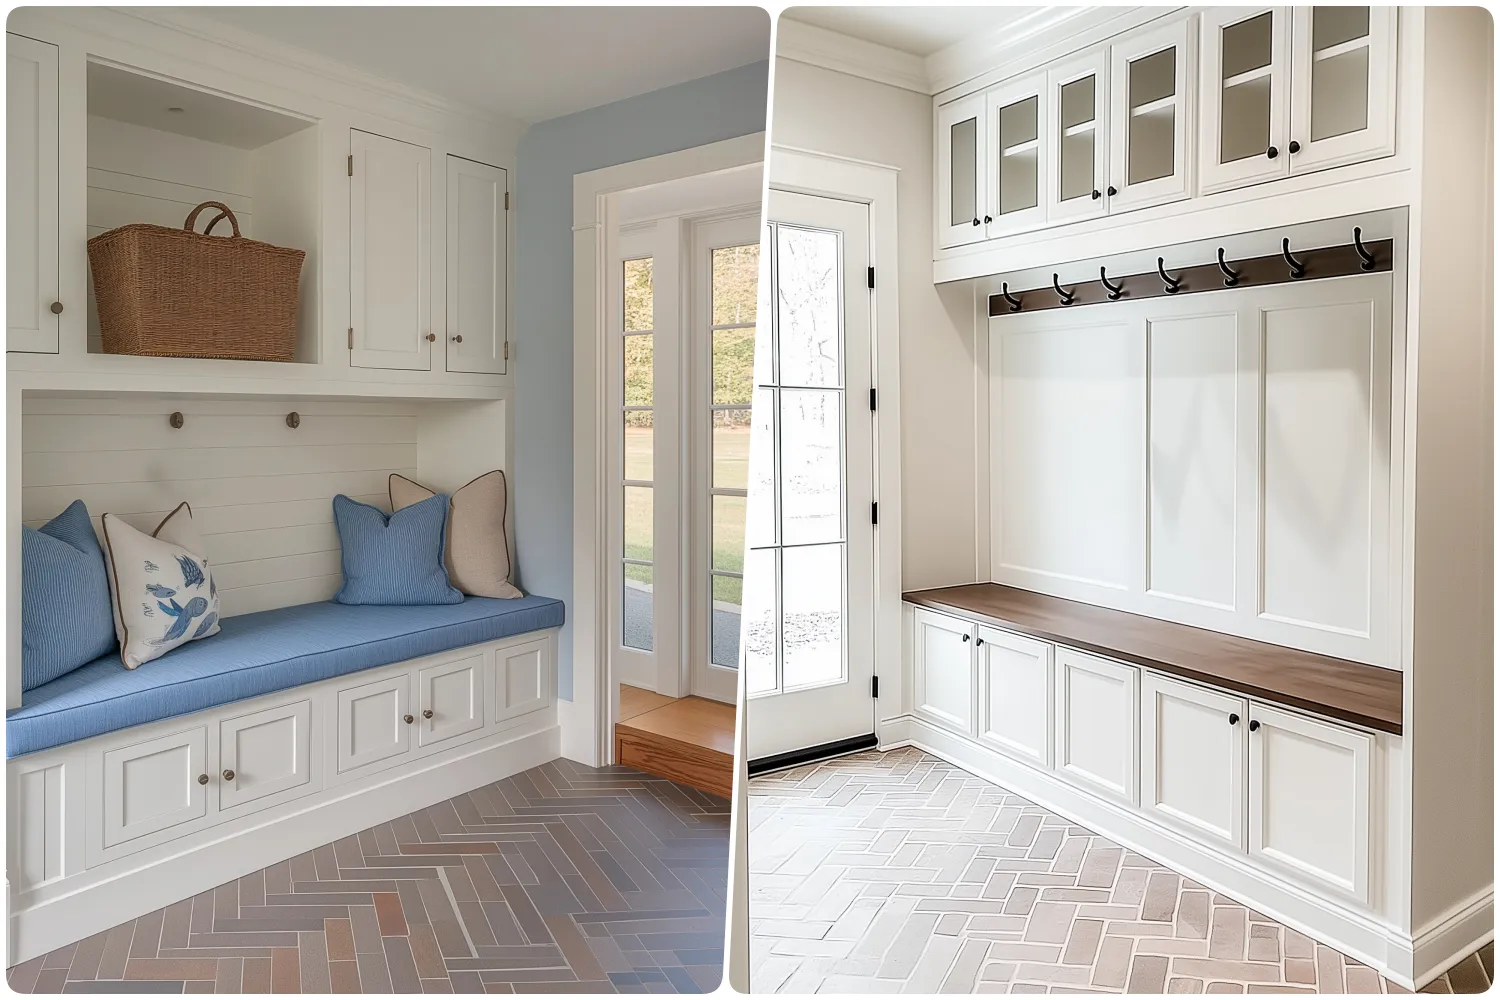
478 551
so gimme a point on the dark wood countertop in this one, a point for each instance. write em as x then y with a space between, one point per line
1339 689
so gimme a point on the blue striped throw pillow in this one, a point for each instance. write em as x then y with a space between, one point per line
394 558
66 619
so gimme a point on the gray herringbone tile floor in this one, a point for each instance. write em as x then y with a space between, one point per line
563 878
898 872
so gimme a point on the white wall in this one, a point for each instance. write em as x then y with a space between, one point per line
829 112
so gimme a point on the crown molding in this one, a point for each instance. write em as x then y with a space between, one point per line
808 43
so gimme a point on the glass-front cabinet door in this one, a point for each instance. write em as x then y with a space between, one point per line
1343 85
1018 157
960 168
1077 185
1151 108
1244 93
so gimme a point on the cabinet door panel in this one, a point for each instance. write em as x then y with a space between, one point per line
1018 157
269 753
1193 759
1097 722
1246 56
1152 106
960 171
43 826
450 697
390 253
372 724
1077 109
943 674
1015 694
523 679
31 224
1343 85
153 786
1310 799
477 271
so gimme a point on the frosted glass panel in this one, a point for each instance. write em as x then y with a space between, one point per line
1245 109
1075 160
812 495
1077 102
1340 93
1018 182
808 303
1018 123
1151 143
760 621
813 614
1247 45
1337 25
963 140
1153 78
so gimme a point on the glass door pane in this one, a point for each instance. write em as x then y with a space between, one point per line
963 142
1340 71
1019 149
1077 139
1150 144
637 473
1245 105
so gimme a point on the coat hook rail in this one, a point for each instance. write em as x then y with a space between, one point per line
1271 269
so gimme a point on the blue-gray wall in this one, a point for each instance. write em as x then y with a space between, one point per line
695 113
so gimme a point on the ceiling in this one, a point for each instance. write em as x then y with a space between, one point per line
145 100
920 31
527 63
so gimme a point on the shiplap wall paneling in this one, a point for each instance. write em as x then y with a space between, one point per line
261 492
1068 446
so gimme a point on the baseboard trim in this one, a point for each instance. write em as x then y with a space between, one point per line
281 833
1360 935
823 751
1454 936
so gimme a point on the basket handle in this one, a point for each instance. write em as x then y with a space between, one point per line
224 212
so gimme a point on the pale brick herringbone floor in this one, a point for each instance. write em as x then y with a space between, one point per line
563 878
898 872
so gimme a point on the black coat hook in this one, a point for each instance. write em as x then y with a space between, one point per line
1298 268
1065 297
1115 291
1366 257
1015 303
1231 276
1170 283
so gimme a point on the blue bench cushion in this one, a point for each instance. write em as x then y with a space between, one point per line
256 654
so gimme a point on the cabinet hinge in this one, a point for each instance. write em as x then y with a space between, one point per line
507 201
870 275
351 164
351 338
874 687
872 400
875 513
506 352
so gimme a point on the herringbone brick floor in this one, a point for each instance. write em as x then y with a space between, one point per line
563 878
898 872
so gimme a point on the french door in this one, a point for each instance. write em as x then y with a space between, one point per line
809 630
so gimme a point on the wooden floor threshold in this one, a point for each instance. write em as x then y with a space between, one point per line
689 741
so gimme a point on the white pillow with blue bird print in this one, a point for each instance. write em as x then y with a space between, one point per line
162 590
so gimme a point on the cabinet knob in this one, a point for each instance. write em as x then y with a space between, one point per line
56 308
976 221
1096 196
1111 191
988 219
1234 719
1294 147
202 779
978 641
408 719
426 713
1271 153
228 774
458 338
431 337
1254 725
966 638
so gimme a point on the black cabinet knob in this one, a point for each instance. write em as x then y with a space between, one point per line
1111 191
1234 719
1294 146
1271 153
976 222
966 638
1254 725
1095 195
988 219
978 641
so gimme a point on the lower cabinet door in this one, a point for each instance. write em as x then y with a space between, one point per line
943 669
154 786
1310 799
1097 722
1015 694
523 679
374 722
265 757
1193 759
450 699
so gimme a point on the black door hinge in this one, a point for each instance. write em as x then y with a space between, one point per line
870 275
872 400
875 513
874 687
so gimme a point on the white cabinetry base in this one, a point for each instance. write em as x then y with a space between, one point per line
1404 958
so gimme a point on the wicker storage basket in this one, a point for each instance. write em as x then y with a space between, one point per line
176 293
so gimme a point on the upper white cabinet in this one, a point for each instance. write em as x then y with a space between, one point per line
31 224
1018 156
390 253
478 201
1287 90
961 171
1077 110
1150 76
